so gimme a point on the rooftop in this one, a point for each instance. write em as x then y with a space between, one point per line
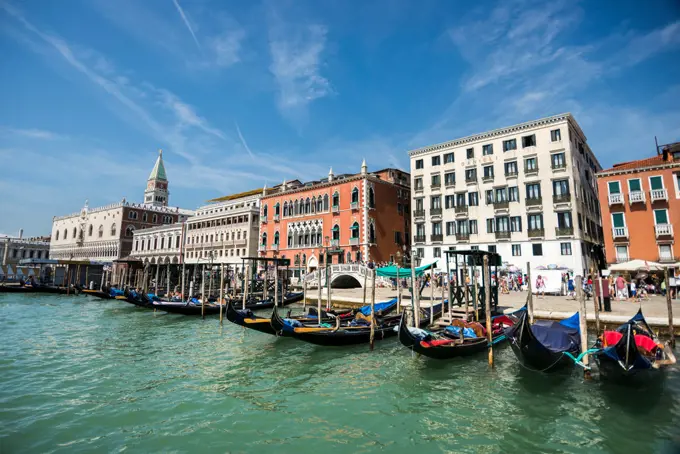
239 195
667 154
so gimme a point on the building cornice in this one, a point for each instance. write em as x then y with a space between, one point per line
327 184
613 172
137 206
498 132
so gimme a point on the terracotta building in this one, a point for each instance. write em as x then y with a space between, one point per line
640 203
356 217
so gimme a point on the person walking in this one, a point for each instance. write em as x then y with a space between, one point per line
620 284
540 286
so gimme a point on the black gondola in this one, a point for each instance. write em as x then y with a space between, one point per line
99 294
342 335
544 345
136 298
248 319
288 298
36 289
444 344
632 353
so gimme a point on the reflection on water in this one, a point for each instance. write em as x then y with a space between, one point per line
81 374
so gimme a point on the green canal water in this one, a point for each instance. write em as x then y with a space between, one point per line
85 375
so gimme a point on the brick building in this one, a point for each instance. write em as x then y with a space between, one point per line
640 203
359 217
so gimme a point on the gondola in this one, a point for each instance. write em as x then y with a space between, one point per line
288 298
357 332
545 346
187 308
632 353
136 298
36 289
381 309
450 342
248 319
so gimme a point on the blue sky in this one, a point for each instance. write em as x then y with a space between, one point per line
239 94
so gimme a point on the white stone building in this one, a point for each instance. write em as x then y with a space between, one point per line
527 192
15 249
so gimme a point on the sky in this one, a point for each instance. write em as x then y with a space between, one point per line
243 94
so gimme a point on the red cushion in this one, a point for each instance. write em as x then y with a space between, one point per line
611 338
645 342
436 343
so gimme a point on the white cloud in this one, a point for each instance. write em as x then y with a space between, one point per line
32 133
227 47
186 22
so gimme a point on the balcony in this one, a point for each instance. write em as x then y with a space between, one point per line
277 218
461 209
418 213
437 237
533 201
262 248
487 178
636 197
435 186
354 241
463 236
335 242
502 234
419 239
450 184
667 259
511 174
275 247
471 179
564 231
530 170
435 211
354 205
501 205
335 209
263 219
658 195
663 230
419 188
561 198
536 233
615 199
558 166
620 232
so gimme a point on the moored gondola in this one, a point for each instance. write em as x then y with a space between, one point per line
545 346
248 319
453 341
288 298
187 308
632 353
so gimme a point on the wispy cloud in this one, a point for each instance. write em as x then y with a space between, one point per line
32 133
296 54
243 141
186 22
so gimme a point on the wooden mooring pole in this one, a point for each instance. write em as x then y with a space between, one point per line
669 304
596 300
487 307
372 310
318 303
203 291
583 327
530 300
221 290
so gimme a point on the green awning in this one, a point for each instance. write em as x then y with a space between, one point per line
354 227
335 229
391 271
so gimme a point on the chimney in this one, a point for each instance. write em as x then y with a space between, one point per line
667 157
21 233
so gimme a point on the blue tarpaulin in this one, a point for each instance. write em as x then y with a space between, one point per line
366 310
559 336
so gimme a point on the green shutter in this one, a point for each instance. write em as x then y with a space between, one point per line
618 220
614 187
634 185
656 182
661 216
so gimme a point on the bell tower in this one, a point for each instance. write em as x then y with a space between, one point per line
156 193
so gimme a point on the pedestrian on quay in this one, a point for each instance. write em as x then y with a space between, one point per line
620 288
540 286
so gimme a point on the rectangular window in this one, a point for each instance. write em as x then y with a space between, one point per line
621 253
420 206
450 228
618 221
558 161
513 194
471 175
460 199
656 182
436 180
560 187
530 165
509 144
529 141
614 187
665 252
420 230
397 237
634 185
537 249
473 199
418 183
474 248
488 171
448 158
564 220
473 226
533 191
470 153
449 179
449 201
510 168
463 228
555 135
490 225
419 164
436 228
501 195
487 149
420 252
503 224
492 248
535 221
516 224
661 216
565 248
489 197
516 250
436 160
435 202
437 252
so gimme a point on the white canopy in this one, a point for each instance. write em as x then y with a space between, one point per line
637 265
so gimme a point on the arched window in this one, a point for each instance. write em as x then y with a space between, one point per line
290 240
155 243
304 259
177 242
319 205
163 242
90 229
336 232
297 208
354 230
113 229
276 238
371 234
355 195
129 230
65 234
264 240
143 244
349 257
308 207
75 232
285 209
313 204
277 209
336 199
318 238
100 232
371 198
358 256
325 202
264 212
57 236
145 217
154 218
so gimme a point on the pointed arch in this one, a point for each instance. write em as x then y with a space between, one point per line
371 233
276 238
325 202
285 209
335 231
113 229
336 199
319 204
354 230
100 231
371 198
297 207
264 239
313 204
308 207
90 230
129 230
264 211
355 195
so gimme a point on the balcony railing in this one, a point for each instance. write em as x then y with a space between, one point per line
354 205
531 170
502 234
354 241
615 199
262 247
275 247
536 233
419 239
450 184
263 219
487 178
276 218
501 205
511 174
418 188
558 165
436 237
435 186
658 195
564 231
335 242
418 213
663 230
636 197
463 236
561 198
461 209
533 201
620 232
471 179
335 208
435 211
667 259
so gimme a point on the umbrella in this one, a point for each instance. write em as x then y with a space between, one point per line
637 265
